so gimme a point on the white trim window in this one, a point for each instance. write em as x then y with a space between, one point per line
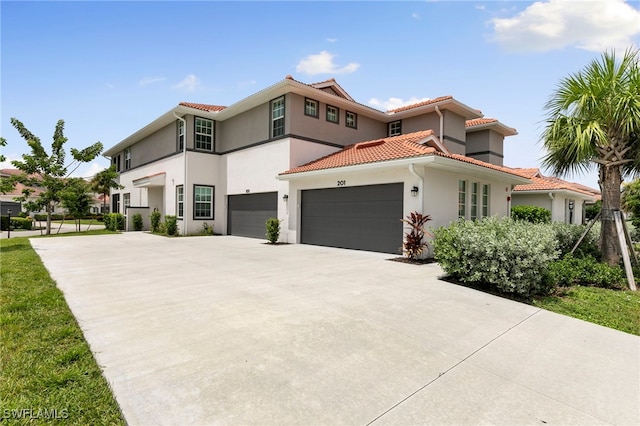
204 134
474 200
311 108
127 158
277 117
485 200
180 201
203 202
395 128
126 200
462 199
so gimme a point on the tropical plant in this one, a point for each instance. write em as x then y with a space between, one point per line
273 230
48 172
414 243
593 117
103 182
155 221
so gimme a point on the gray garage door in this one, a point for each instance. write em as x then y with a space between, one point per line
247 213
357 217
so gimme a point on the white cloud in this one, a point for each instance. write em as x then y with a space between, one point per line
480 7
332 40
150 80
88 170
189 83
393 103
322 63
416 16
555 24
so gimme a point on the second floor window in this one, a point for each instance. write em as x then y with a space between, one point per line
204 134
127 158
332 114
116 161
277 117
351 119
311 107
395 128
180 135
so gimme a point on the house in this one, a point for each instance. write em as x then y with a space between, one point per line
565 200
336 172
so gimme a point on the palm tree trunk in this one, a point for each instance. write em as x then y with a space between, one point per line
610 182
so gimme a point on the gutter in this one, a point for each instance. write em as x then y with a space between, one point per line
441 125
184 183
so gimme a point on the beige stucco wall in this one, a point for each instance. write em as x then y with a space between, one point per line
486 140
422 122
247 128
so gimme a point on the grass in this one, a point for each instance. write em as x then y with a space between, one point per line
618 309
48 370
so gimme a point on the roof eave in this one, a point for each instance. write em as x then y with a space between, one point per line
495 126
451 104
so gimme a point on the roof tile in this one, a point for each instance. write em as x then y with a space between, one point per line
203 107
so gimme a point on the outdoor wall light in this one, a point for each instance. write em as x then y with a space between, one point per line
571 204
285 198
414 191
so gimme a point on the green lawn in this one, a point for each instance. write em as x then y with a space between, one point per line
619 309
48 370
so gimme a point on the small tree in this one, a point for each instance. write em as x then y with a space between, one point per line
414 243
273 230
46 171
76 199
137 222
103 182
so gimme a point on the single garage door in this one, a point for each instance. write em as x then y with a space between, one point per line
247 213
357 217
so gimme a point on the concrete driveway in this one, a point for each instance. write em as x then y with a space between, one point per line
231 331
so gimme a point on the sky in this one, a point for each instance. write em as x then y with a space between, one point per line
110 68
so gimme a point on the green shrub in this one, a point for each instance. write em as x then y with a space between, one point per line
21 223
531 214
207 229
506 255
273 230
592 210
114 222
137 222
155 221
585 271
568 235
171 224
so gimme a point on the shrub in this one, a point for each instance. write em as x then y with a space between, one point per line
414 243
592 210
155 221
171 224
531 214
114 221
509 256
273 230
21 223
568 235
137 222
207 229
585 271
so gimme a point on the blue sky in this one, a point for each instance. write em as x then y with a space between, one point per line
110 68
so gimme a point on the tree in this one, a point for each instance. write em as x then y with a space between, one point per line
6 185
76 198
46 171
593 117
103 182
631 201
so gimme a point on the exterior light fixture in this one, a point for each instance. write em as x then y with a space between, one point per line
571 204
414 191
285 198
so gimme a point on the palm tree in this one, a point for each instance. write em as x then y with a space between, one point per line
103 182
593 116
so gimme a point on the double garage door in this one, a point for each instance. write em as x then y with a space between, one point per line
358 217
247 213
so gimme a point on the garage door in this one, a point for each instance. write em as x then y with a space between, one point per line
358 217
247 213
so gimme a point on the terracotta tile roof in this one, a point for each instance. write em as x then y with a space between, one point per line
480 121
203 107
552 183
419 104
387 149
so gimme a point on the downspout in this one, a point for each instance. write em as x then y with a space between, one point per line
412 169
441 125
184 183
552 199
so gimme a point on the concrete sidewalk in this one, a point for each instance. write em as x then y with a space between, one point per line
228 330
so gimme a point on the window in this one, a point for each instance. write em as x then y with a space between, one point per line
332 114
179 201
311 107
277 117
116 160
203 202
115 203
485 200
126 200
351 120
474 200
204 134
180 135
127 158
462 199
395 128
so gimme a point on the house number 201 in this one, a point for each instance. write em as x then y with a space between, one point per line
342 182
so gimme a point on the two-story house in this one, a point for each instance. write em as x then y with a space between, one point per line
336 172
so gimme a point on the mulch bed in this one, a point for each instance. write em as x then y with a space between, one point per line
412 261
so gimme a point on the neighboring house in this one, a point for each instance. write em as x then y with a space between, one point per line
336 172
565 200
9 197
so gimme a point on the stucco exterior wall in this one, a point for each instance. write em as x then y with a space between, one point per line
486 145
455 133
247 128
158 145
559 205
422 122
